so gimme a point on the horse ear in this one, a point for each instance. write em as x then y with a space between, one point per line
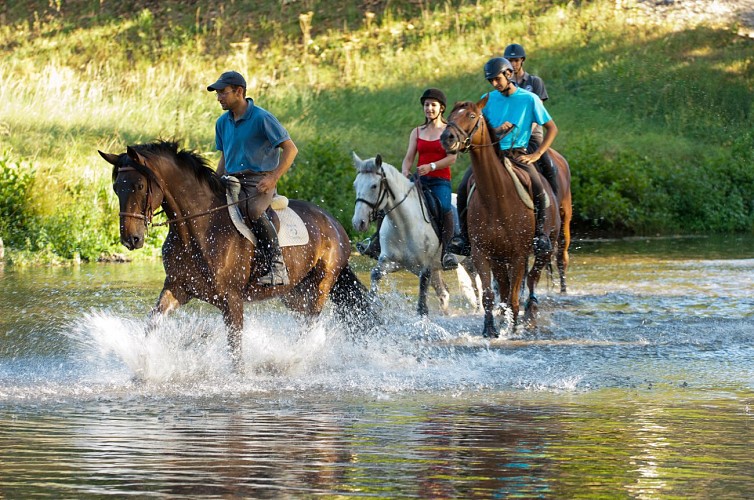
135 156
109 158
378 161
481 104
356 160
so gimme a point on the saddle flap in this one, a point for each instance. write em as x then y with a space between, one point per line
434 209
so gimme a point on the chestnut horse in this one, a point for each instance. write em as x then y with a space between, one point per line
500 224
205 257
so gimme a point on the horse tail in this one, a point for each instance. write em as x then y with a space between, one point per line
354 305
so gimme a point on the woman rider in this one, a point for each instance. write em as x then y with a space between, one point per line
434 168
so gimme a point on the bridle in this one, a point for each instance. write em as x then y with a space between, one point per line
385 191
147 213
467 136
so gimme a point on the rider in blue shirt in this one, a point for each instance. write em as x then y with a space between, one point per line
257 150
511 111
516 55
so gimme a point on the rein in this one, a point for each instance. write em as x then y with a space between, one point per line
147 214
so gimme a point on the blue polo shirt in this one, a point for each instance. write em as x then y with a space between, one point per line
522 108
250 143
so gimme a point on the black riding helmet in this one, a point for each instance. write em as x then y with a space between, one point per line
435 94
514 50
495 66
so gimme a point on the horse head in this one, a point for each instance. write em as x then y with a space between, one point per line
371 190
139 195
466 125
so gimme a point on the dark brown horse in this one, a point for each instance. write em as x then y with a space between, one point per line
500 224
206 258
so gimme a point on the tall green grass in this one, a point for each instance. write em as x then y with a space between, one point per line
655 120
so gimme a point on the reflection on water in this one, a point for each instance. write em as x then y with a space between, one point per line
638 384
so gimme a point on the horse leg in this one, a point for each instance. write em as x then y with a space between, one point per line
232 310
382 268
488 302
424 277
488 297
532 303
563 243
310 295
166 302
441 289
508 283
378 272
467 282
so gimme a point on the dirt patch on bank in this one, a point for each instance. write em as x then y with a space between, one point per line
736 13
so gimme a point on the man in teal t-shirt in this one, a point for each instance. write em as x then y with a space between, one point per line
257 150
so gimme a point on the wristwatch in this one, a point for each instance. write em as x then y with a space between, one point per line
433 165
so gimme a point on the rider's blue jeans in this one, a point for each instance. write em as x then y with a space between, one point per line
442 189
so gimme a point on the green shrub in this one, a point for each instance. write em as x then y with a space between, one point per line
323 174
16 213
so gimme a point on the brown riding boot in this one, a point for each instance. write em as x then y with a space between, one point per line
449 261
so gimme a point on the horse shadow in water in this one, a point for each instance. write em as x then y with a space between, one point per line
407 237
206 258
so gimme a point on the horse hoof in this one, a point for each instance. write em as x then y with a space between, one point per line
490 333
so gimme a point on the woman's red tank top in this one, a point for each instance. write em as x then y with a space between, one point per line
432 151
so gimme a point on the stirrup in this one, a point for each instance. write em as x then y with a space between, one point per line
277 276
369 247
449 262
542 245
459 246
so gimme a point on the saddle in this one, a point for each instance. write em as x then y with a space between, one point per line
432 207
288 224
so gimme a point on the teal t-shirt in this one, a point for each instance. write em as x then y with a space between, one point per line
522 108
250 143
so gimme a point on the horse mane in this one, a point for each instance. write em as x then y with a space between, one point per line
392 172
493 137
184 159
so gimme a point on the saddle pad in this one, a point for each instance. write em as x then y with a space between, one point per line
523 193
292 230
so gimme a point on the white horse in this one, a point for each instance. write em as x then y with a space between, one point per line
407 238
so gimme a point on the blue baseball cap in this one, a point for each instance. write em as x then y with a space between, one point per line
228 78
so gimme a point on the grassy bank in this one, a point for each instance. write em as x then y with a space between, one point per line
655 120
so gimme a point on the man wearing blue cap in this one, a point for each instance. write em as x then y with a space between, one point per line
257 150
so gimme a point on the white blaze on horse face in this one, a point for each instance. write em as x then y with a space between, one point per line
366 186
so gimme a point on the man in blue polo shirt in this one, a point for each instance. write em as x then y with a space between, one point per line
256 149
511 111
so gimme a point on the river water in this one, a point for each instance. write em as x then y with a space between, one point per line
638 384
